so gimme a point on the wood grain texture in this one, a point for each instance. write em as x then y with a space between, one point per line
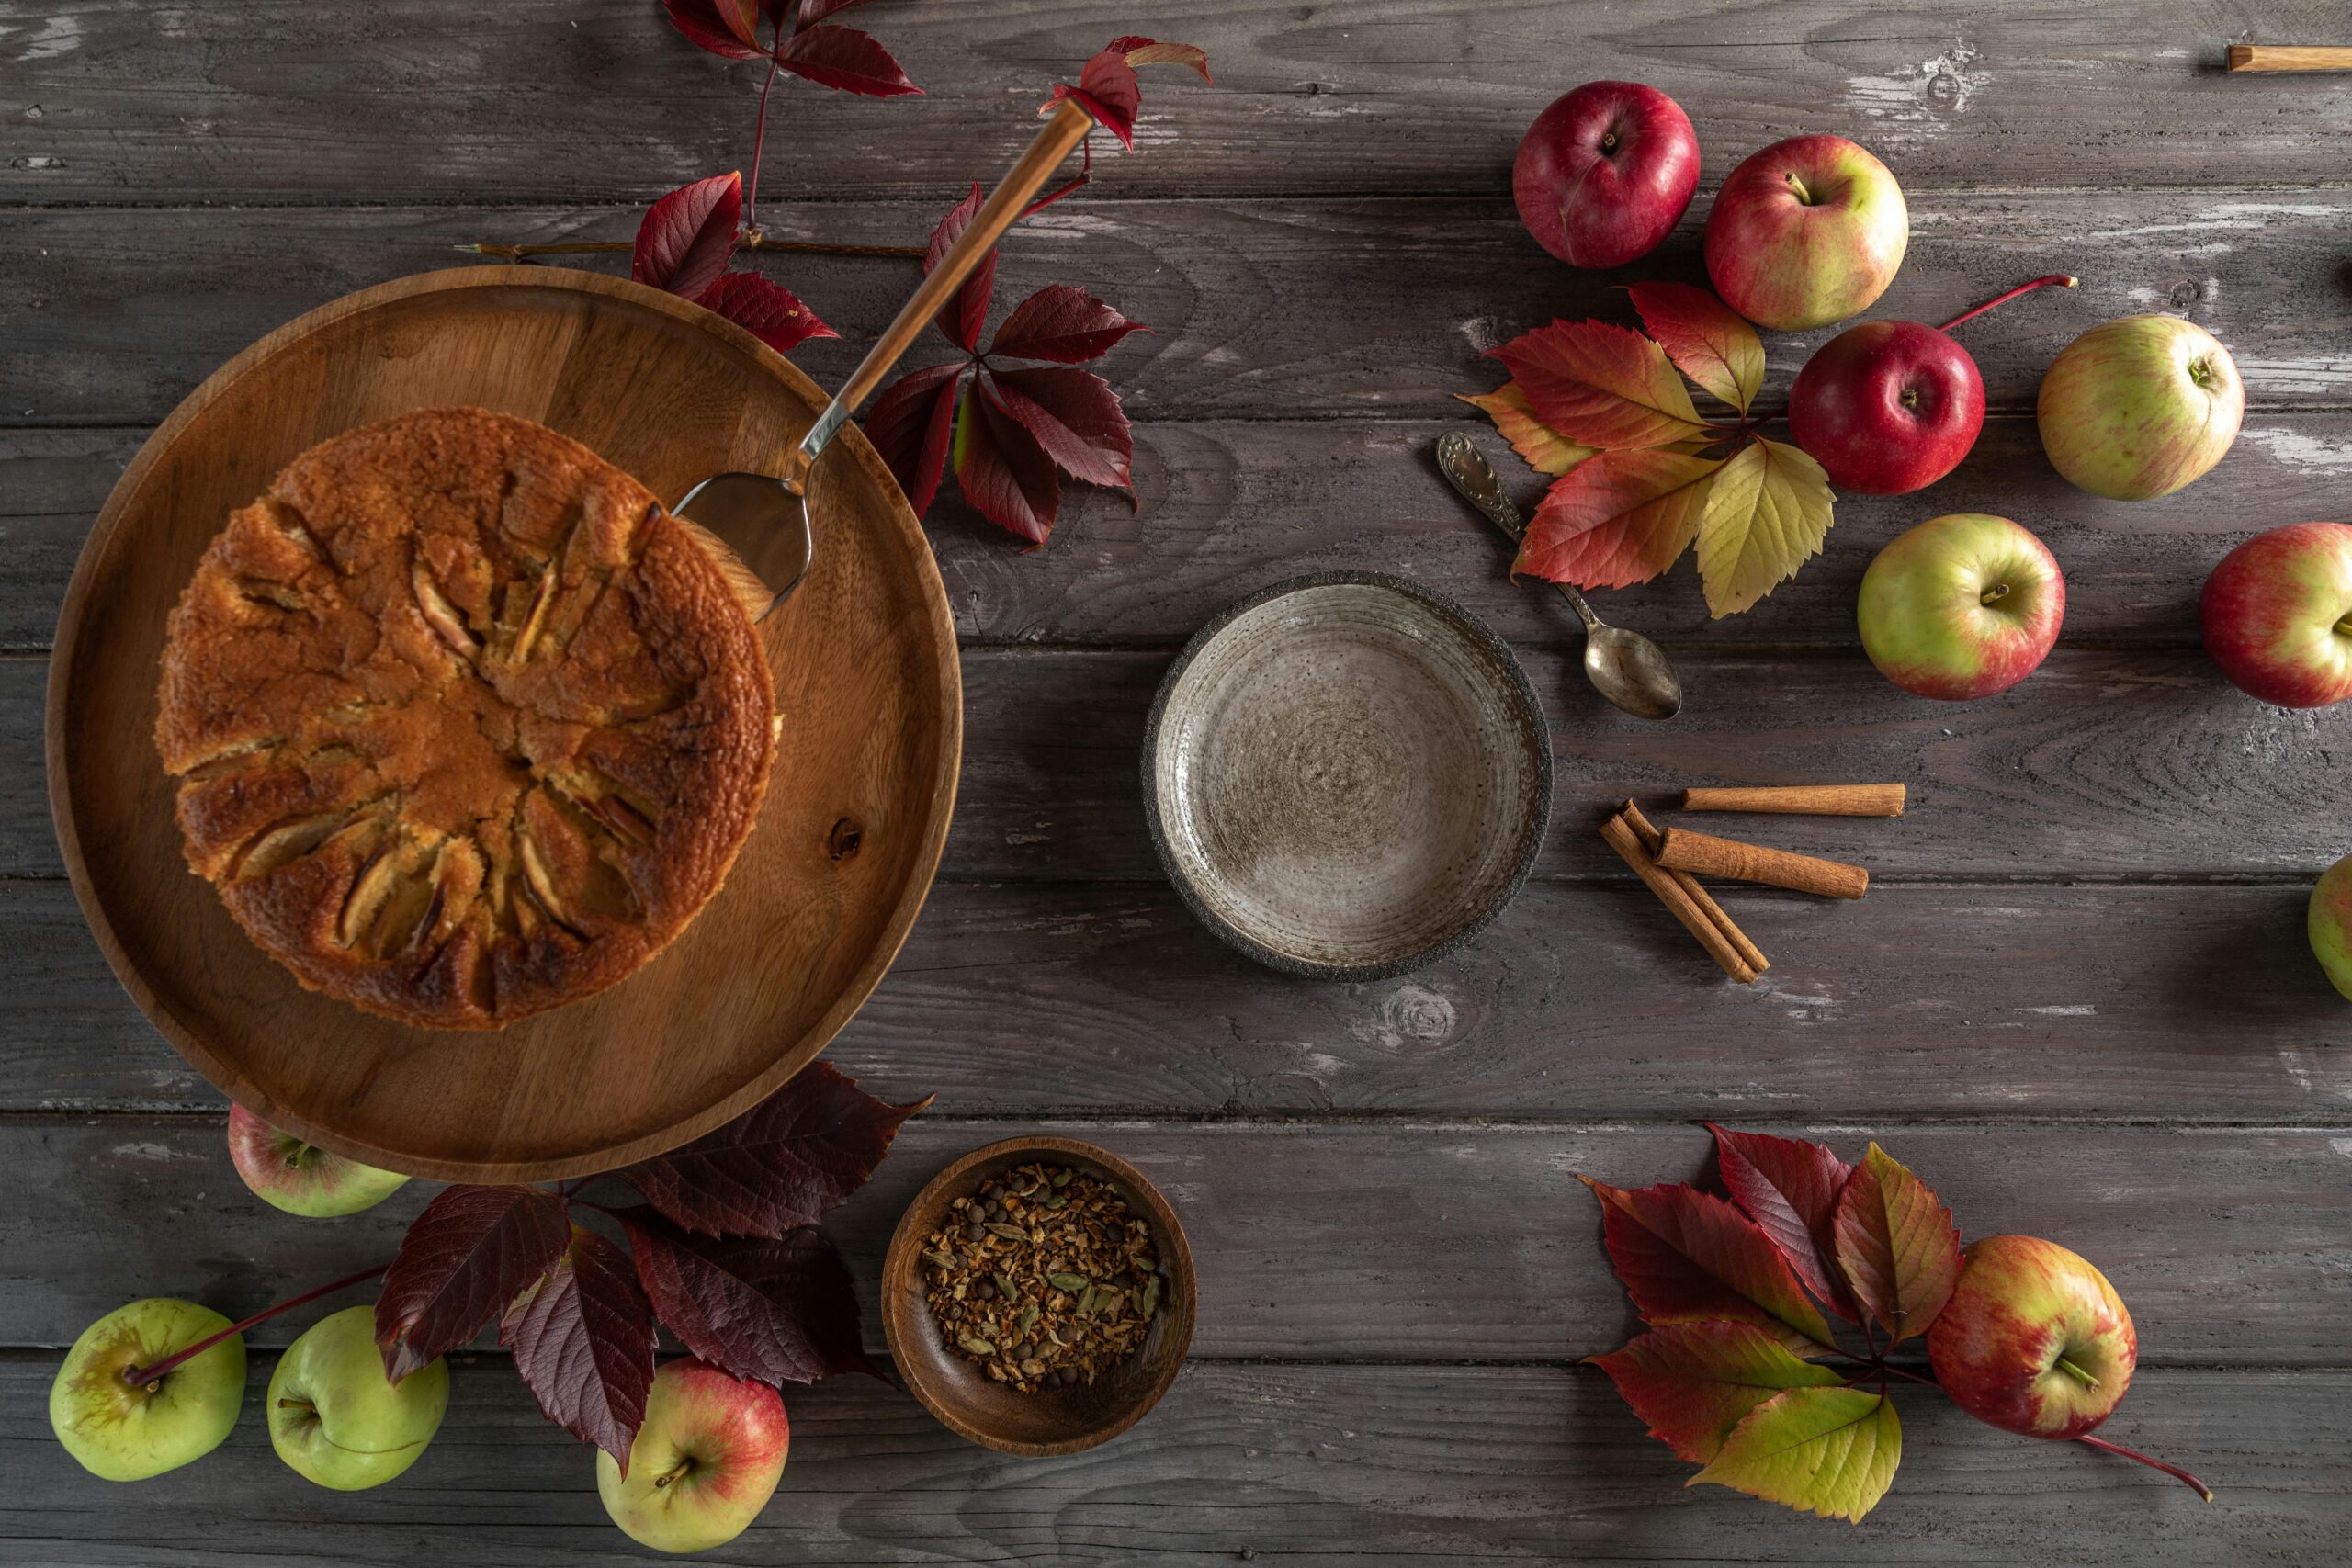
1405 1241
781 957
1376 1467
248 103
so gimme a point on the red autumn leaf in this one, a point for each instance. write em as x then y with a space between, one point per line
1692 1382
686 241
769 311
1065 325
1709 341
815 11
1687 1256
780 1310
583 1342
781 1165
1075 416
473 1251
1002 469
1616 518
961 319
1791 1188
846 59
1601 386
1147 51
718 26
1897 1245
1108 90
912 427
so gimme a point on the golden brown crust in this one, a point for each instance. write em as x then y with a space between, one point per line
466 726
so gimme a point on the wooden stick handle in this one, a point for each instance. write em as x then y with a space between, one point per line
2288 57
1064 130
1622 838
1703 854
1651 838
1802 800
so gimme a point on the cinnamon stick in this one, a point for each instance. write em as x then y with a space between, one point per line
1703 854
1622 838
1651 838
1802 800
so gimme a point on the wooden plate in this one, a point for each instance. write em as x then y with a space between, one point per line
826 887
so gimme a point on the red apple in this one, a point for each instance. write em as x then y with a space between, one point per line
1605 173
2277 615
2137 407
704 1462
1806 232
1890 407
1961 606
2034 1339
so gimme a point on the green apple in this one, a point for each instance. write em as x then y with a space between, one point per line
1961 606
334 1418
2138 408
2329 923
300 1177
127 1431
704 1462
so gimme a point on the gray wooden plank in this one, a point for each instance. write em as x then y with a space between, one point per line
1369 1466
109 315
249 101
1378 1239
2091 768
2111 1003
1232 505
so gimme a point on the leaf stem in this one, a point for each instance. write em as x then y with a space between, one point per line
1076 183
2172 1469
760 137
748 243
2056 279
173 1361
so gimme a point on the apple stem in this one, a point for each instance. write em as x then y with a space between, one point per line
171 1362
2056 279
672 1474
2076 1373
2172 1469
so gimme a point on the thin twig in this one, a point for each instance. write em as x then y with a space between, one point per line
760 142
173 1361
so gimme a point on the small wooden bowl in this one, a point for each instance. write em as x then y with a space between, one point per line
1051 1421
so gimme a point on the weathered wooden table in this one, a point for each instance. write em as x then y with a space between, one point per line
2078 999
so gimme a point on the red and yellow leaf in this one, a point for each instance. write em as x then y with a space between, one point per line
1830 1451
1601 386
845 59
1707 340
1545 449
1617 518
1692 1382
1065 325
1149 51
686 240
718 26
1790 1188
1075 416
1108 90
911 426
780 1310
769 311
1897 1245
1687 1256
583 1341
961 319
1767 513
469 1253
781 1165
1002 470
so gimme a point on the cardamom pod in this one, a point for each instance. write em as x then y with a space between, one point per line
1010 1233
977 1345
1072 1283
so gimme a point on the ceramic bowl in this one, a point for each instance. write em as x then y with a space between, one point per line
1346 775
1051 1421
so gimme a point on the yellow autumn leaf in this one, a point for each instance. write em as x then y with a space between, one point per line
1767 513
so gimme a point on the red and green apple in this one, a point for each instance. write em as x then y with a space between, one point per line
1605 173
2328 922
2034 1339
301 1178
1806 232
2277 615
704 1462
1961 606
2136 409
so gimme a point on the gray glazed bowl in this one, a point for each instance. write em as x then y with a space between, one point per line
1346 775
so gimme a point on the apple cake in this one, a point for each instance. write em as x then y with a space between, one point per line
465 725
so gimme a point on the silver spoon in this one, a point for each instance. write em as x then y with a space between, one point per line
764 518
1624 667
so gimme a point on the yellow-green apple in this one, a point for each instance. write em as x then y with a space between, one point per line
2329 923
300 1177
2136 409
2277 615
122 1431
335 1419
704 1462
1806 232
1605 173
1961 606
2034 1339
1890 407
